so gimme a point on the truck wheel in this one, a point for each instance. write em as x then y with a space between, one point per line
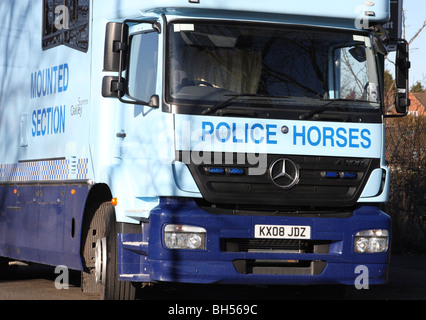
101 249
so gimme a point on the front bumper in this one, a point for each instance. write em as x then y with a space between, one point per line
233 256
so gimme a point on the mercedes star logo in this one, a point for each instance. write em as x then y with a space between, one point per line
284 173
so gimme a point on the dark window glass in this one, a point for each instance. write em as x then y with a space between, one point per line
224 64
66 22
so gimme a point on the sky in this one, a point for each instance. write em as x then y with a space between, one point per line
415 15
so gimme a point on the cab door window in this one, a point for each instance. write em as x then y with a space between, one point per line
143 62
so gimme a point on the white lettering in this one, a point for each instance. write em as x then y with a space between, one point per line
62 281
63 18
361 281
178 310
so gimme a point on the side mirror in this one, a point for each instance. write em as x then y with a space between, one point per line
402 67
116 59
112 87
115 44
116 37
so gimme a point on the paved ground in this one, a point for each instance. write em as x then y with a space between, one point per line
407 281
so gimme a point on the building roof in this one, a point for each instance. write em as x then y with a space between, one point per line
418 103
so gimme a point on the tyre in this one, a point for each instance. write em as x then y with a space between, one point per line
6 271
100 256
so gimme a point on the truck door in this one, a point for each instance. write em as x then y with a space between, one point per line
134 121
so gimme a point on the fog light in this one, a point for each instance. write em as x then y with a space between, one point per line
185 237
371 241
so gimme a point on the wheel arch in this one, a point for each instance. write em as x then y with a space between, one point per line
99 221
98 194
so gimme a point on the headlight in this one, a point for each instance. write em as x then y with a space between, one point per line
185 237
371 241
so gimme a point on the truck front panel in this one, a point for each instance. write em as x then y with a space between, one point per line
257 247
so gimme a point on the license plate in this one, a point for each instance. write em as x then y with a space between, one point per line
282 232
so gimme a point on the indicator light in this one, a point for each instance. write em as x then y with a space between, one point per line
329 174
348 175
228 171
210 170
342 175
235 171
114 202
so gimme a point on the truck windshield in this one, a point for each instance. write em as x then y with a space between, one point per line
217 64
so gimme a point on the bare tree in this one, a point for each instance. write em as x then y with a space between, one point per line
406 157
389 94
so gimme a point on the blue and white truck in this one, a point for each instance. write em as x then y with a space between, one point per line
196 141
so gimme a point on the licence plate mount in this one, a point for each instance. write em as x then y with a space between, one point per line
282 232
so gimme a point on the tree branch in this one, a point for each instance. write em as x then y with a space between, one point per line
418 32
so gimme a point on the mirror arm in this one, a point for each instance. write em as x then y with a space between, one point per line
397 115
120 46
381 32
156 26
154 102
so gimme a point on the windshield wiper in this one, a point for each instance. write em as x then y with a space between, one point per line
323 108
226 103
